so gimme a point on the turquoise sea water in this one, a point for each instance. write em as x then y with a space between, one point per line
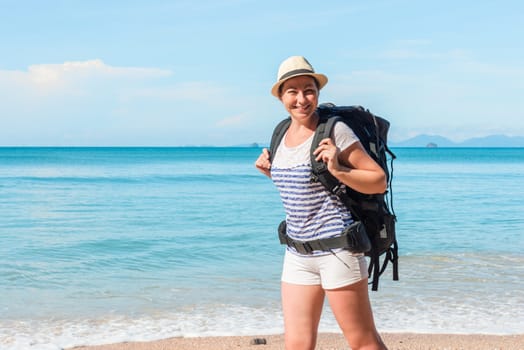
100 245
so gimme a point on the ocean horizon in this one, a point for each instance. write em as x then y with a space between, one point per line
110 244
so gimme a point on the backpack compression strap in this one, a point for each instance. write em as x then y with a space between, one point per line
276 138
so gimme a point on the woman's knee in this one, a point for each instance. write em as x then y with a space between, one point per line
352 310
367 341
300 341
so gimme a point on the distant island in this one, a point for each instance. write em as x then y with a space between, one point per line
434 141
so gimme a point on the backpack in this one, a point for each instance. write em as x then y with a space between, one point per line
375 211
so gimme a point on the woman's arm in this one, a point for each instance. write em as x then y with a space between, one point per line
263 164
352 166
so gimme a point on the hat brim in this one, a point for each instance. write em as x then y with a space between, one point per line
320 78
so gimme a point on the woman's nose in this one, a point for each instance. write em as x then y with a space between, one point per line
301 97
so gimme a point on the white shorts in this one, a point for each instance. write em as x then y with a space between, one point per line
329 270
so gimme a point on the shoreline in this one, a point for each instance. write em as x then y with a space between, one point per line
331 341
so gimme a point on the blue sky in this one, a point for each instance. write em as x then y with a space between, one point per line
176 73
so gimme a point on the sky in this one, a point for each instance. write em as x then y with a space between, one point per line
199 72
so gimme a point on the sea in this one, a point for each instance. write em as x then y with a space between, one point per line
105 245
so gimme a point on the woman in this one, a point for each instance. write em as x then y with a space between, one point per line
312 213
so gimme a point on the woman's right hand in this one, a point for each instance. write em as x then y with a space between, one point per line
263 164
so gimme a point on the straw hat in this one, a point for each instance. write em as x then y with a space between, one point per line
293 67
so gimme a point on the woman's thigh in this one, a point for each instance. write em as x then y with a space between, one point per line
352 309
302 307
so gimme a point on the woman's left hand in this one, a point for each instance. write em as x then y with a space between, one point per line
352 166
328 152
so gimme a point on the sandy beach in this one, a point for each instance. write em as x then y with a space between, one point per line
327 341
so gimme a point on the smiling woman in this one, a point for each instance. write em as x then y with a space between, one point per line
313 214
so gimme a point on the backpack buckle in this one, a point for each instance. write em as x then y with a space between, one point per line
302 247
338 190
317 169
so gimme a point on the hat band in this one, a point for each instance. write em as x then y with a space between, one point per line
295 72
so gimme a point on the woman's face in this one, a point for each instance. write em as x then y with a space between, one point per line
300 96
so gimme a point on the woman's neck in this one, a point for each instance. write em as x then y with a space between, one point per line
300 130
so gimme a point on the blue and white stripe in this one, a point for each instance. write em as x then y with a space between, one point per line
311 211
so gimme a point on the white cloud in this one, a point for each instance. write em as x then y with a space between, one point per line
54 103
52 77
90 102
232 121
97 66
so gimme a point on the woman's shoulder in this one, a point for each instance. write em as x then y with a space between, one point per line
343 135
341 127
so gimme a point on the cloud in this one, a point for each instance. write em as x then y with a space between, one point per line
49 78
95 68
55 103
232 121
47 84
90 102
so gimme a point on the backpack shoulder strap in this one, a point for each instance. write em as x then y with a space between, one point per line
320 171
324 128
278 134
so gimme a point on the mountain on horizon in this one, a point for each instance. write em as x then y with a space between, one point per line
433 141
441 141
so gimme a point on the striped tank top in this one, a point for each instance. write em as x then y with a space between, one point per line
311 211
